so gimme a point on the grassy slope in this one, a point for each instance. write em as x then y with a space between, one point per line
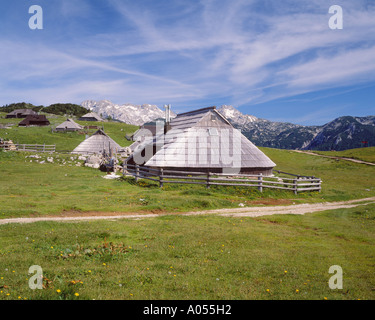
202 257
364 154
341 179
64 141
29 188
177 257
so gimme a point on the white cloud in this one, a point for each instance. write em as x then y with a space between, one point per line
251 51
341 69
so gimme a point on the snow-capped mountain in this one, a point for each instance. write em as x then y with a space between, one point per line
239 118
267 133
128 113
342 133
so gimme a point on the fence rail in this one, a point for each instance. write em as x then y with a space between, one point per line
296 184
36 147
7 146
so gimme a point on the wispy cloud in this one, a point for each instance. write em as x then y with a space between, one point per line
246 51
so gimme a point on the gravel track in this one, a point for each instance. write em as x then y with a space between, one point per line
232 212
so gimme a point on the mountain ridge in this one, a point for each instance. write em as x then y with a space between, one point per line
128 113
342 133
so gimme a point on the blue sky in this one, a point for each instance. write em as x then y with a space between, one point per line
274 59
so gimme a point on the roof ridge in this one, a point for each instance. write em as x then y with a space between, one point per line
197 111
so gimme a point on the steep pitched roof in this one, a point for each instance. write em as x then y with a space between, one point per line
192 118
97 143
91 115
34 120
207 148
69 124
22 112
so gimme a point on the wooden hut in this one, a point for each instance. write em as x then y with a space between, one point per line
68 126
204 141
34 120
98 143
20 113
92 116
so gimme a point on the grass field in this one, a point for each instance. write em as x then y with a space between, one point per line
183 257
33 189
364 154
63 141
202 257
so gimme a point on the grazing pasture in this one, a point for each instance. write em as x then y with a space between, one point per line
177 256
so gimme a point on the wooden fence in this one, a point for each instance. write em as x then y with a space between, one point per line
296 183
7 146
36 147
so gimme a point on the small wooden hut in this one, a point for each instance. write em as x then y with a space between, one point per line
204 141
98 143
20 113
92 116
34 120
68 126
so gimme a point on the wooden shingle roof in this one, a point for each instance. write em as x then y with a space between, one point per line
91 115
205 139
69 124
99 142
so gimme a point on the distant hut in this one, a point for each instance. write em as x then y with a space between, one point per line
203 141
98 143
92 116
146 128
20 113
68 126
34 120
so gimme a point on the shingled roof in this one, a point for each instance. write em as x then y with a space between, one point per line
99 142
68 125
34 120
91 116
20 113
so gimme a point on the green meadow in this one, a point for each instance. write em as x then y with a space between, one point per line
63 141
28 188
176 256
193 257
364 154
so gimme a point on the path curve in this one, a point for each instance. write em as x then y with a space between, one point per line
337 158
232 212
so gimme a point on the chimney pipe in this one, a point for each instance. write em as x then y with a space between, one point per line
167 126
167 113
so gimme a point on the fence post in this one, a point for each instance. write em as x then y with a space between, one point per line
124 167
320 185
295 186
44 147
208 180
161 178
136 172
260 179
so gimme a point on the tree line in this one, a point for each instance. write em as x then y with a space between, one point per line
57 108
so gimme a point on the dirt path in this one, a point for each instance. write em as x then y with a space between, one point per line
233 212
338 158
